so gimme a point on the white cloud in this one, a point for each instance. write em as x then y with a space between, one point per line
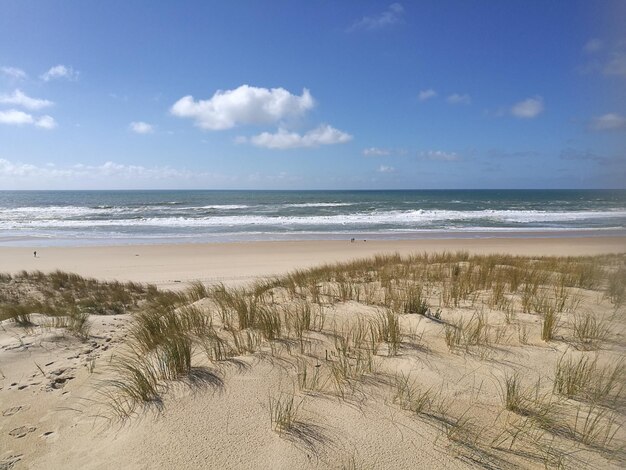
427 94
385 169
60 71
14 73
140 127
608 122
10 169
376 152
46 122
528 108
440 155
392 15
243 105
17 98
593 45
282 139
13 117
459 99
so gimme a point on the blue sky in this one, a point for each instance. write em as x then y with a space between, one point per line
312 94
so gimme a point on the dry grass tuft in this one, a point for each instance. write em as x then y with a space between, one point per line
283 412
585 379
589 330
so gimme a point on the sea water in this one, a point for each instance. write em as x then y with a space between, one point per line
43 218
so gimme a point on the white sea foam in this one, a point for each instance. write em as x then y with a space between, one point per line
225 207
320 204
17 213
410 219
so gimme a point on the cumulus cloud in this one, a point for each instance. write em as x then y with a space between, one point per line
15 117
427 94
385 169
283 139
440 155
243 105
392 15
140 127
459 99
376 152
528 108
18 98
13 72
18 118
60 71
608 122
45 122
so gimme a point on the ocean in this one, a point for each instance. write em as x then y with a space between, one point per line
47 218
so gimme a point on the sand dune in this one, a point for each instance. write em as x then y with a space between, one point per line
448 414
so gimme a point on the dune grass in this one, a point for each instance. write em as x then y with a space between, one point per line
345 327
283 410
584 378
66 300
590 330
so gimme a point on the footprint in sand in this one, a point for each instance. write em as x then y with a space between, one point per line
10 461
59 378
21 431
11 411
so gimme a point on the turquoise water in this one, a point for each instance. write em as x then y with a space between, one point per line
120 217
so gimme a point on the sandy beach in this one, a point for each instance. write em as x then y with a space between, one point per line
174 264
421 400
339 235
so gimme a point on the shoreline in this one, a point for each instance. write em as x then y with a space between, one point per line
175 264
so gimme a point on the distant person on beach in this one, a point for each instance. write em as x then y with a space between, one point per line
35 254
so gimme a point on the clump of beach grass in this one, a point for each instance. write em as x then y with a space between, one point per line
73 320
197 291
283 412
411 397
467 333
586 379
511 392
414 301
549 323
163 340
616 286
596 426
589 330
387 329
